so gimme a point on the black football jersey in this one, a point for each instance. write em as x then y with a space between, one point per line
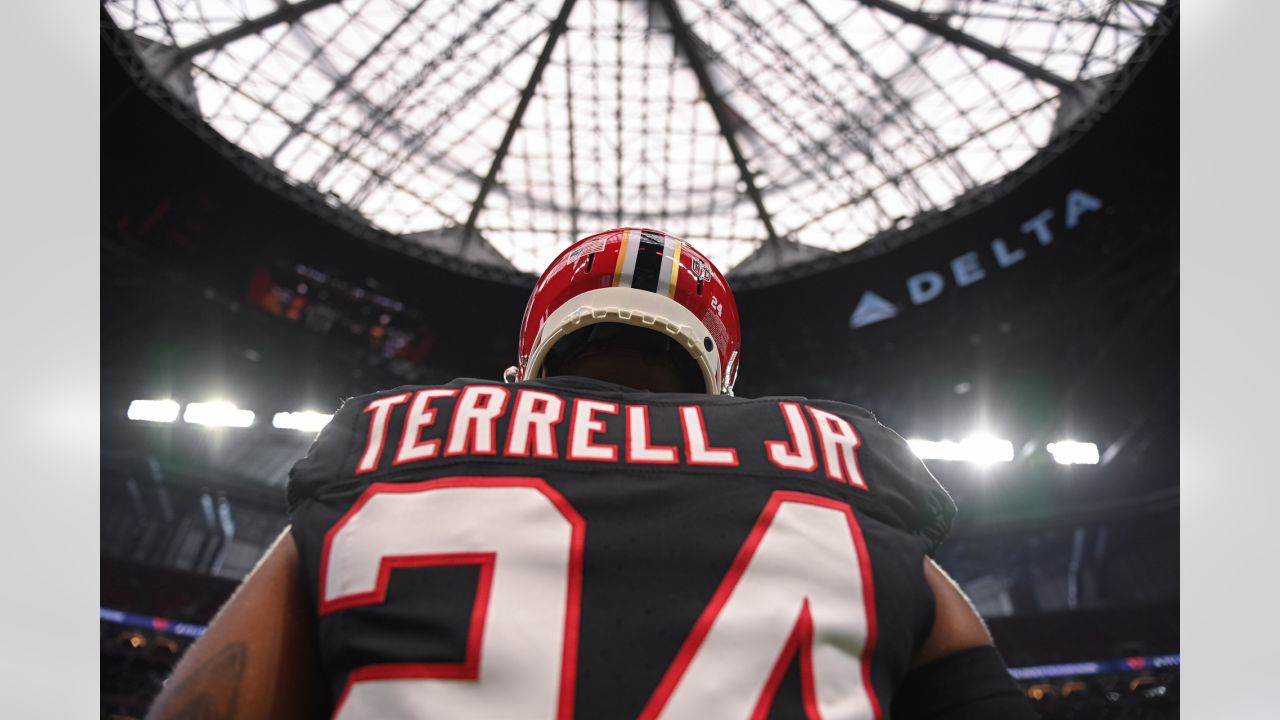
567 547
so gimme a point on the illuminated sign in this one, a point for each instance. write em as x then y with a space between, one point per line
968 268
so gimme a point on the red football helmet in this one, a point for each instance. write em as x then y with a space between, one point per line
641 278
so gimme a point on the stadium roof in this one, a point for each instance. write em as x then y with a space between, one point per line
768 132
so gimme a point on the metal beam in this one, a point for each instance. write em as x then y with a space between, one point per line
526 96
958 37
416 136
340 85
691 46
922 129
573 151
285 13
1102 24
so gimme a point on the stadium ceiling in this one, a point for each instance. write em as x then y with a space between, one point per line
768 132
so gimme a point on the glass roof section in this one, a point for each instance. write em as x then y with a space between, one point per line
501 130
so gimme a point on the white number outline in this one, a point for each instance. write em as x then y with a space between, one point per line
798 646
800 641
469 668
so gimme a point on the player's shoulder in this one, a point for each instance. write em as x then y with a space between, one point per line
897 475
329 452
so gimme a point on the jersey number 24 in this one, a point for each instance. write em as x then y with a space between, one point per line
799 590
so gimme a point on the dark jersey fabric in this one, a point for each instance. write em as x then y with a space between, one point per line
659 539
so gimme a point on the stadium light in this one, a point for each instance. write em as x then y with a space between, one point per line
304 421
162 411
217 414
1070 452
979 449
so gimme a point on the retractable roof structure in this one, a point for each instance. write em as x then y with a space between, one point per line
769 132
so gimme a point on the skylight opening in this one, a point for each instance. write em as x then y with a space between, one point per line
851 117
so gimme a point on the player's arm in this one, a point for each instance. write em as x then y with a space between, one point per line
958 674
258 658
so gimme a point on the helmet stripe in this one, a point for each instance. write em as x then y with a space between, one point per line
650 252
664 266
670 269
626 260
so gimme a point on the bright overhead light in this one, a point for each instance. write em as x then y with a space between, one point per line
1070 452
305 421
165 411
217 414
980 449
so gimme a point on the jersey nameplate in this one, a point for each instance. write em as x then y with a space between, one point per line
443 422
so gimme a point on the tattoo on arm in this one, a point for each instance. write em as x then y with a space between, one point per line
209 691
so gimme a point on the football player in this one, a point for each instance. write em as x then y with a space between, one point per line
609 534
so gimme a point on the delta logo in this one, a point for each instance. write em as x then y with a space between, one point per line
968 268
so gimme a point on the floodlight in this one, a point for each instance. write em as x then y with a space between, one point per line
1070 452
163 411
980 449
303 421
217 414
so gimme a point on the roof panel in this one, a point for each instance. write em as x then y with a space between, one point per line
852 118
